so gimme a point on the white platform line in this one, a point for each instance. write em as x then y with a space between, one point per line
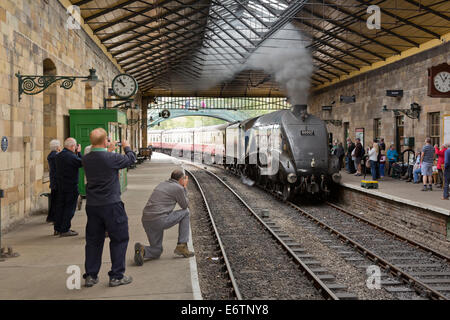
194 274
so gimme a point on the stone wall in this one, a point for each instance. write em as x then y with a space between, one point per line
412 222
409 74
31 32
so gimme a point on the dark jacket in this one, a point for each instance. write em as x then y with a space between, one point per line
447 159
51 159
67 165
359 150
102 175
350 150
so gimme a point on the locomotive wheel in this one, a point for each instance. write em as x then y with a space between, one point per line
288 192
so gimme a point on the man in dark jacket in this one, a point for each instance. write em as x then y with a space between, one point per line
359 153
105 209
68 163
350 162
55 147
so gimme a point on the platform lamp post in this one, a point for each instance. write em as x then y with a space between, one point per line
34 84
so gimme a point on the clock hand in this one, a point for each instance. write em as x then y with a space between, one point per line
120 80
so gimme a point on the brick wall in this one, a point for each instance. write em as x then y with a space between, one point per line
32 31
409 74
413 222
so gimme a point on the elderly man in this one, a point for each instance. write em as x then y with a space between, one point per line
426 164
55 147
105 209
68 163
158 215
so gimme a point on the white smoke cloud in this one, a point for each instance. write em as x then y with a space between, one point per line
285 57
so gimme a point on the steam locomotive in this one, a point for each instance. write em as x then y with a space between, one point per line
286 151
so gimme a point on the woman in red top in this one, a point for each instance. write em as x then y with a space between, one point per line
440 164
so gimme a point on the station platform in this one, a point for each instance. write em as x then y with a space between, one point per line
401 191
402 206
40 270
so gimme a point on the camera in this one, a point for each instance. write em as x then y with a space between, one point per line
119 144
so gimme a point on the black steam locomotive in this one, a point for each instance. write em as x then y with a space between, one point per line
286 151
293 143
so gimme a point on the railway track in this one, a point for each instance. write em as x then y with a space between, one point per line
407 267
262 261
414 267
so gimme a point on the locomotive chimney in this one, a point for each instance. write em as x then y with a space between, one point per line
300 111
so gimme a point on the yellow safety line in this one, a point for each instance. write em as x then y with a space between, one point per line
404 54
87 28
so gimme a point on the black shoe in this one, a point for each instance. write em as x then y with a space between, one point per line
56 233
424 188
430 188
139 254
119 282
90 281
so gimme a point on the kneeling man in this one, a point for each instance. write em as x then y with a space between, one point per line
158 215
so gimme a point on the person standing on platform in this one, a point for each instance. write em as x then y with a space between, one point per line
55 147
382 145
382 164
340 153
440 164
158 215
68 163
426 164
392 156
358 154
446 172
373 158
416 169
350 158
105 209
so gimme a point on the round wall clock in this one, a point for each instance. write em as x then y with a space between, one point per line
124 85
439 81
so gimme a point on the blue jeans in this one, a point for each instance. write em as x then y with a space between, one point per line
416 175
374 169
446 181
381 169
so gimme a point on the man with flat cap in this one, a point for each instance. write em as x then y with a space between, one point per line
158 216
105 209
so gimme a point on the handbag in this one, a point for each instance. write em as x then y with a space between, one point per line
367 163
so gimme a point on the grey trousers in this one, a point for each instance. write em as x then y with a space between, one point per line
155 231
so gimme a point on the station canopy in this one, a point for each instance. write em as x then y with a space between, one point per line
201 47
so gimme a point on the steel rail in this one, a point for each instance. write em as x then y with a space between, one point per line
222 249
318 284
388 266
390 232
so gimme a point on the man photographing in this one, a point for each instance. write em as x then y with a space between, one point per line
68 163
158 215
105 209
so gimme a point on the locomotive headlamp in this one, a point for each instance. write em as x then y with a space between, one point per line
292 177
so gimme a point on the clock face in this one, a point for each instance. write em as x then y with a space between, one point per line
124 85
442 82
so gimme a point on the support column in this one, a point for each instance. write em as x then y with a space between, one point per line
145 102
